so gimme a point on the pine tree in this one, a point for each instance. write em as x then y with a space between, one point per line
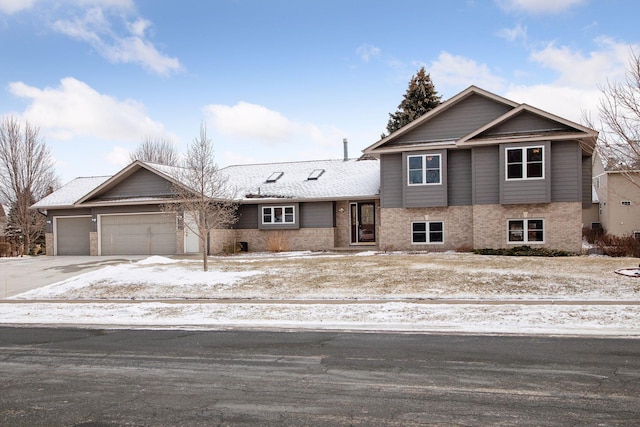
421 97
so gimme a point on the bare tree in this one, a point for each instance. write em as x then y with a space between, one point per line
26 175
156 150
203 193
619 115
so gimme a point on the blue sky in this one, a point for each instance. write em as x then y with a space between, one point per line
286 80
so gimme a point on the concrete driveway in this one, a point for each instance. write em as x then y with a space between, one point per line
18 275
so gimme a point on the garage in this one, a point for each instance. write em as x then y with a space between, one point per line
137 234
72 235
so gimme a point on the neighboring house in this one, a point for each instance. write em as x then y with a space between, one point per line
478 171
319 205
481 171
618 193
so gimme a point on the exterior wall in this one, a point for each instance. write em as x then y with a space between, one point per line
467 116
395 233
48 240
391 182
562 224
140 183
309 239
618 219
343 232
591 215
484 226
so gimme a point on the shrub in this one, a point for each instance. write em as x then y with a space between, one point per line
618 246
523 251
5 249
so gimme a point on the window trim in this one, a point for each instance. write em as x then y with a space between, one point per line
424 169
523 163
272 209
427 232
525 232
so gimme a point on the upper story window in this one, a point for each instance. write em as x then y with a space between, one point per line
278 215
525 162
424 169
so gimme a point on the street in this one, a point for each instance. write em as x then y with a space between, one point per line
93 377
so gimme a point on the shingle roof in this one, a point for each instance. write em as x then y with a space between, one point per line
335 179
338 179
71 192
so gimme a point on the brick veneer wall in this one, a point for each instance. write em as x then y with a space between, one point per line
310 239
483 226
48 241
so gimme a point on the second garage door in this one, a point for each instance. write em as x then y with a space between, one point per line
72 235
142 234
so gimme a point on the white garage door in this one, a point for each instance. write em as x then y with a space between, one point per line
72 235
143 234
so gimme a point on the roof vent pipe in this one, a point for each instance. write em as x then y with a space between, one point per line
346 149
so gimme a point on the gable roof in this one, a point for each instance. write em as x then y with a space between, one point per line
492 132
346 179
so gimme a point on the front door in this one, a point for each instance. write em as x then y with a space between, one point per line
363 223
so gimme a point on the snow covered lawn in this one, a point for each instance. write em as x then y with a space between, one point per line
363 291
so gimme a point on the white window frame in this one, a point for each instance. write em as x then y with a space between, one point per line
424 169
525 232
272 214
523 164
427 232
625 203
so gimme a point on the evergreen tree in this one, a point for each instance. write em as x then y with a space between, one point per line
421 97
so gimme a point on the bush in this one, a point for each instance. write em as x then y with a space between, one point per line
618 246
523 251
5 249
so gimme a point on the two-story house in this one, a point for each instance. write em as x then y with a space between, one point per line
481 171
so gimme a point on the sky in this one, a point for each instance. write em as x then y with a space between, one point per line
286 80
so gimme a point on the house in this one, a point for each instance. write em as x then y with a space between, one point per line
478 171
481 171
317 205
618 196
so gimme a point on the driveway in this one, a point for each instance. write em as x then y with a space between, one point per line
18 275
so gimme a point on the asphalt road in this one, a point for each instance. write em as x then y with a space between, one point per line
75 377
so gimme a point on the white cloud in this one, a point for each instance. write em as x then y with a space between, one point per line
245 120
538 6
76 109
564 101
95 29
118 156
367 51
513 34
576 69
10 7
458 72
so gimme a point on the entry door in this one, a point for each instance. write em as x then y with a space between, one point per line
363 223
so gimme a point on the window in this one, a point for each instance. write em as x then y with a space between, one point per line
526 231
625 203
274 176
424 169
424 232
315 174
525 163
278 215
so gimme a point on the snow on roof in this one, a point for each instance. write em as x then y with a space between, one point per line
302 180
71 192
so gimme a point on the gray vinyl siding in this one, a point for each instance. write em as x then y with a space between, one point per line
526 190
141 183
566 171
486 175
587 197
247 217
459 177
64 212
391 180
316 215
525 122
423 196
467 116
